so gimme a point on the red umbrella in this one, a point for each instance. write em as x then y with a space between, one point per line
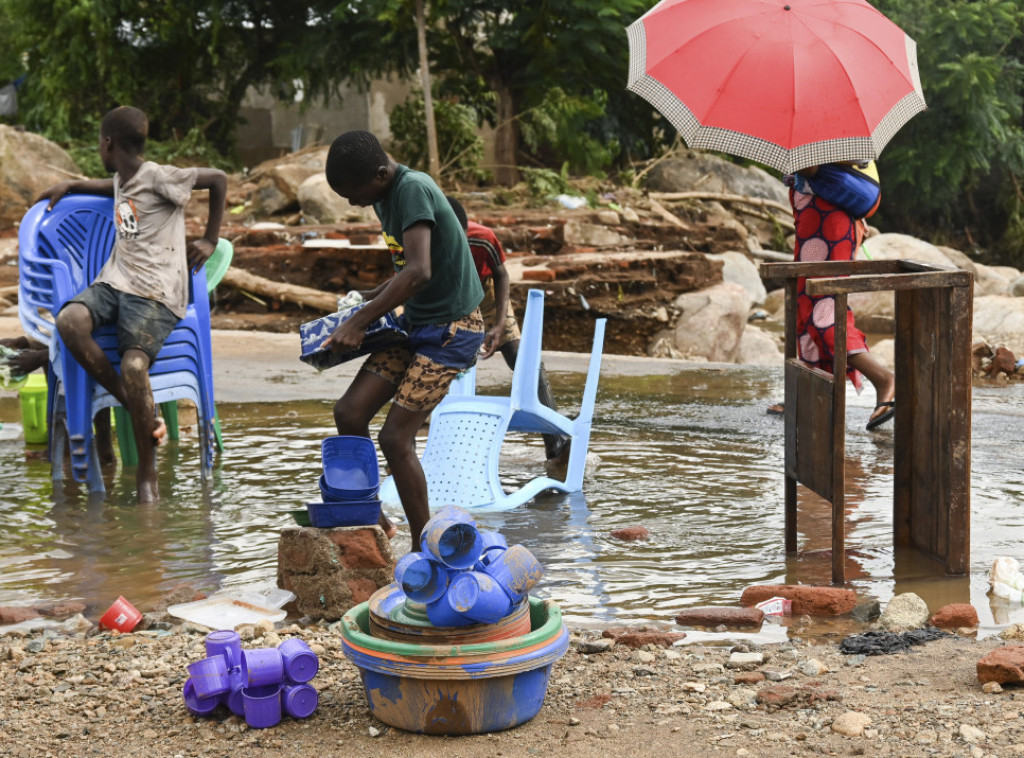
787 83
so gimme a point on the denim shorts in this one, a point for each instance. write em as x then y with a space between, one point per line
142 324
422 369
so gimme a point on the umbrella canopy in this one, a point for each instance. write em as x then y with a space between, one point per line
787 83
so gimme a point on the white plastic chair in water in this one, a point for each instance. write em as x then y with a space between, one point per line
467 430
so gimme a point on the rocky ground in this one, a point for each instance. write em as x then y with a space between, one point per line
120 695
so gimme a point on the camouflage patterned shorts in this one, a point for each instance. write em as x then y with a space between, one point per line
422 369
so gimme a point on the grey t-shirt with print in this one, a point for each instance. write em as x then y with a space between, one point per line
149 258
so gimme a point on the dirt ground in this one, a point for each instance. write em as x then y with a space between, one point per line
120 696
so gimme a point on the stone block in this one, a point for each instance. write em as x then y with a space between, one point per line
955 616
809 600
715 616
638 637
331 570
630 533
1004 665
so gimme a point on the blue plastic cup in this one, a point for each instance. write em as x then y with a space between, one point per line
422 580
234 696
299 700
517 571
263 667
209 677
300 663
452 538
225 643
441 613
478 597
262 705
199 706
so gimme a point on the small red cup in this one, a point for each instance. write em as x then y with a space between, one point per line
122 616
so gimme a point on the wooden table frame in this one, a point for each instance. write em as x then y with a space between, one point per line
932 436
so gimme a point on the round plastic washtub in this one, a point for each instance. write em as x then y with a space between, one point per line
218 263
393 617
457 689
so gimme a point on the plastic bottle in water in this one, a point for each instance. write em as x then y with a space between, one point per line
1007 592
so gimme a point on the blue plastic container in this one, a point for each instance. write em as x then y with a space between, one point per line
350 467
516 570
299 700
478 597
331 495
441 613
422 580
344 513
493 545
226 643
451 537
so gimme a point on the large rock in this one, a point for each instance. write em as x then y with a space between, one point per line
999 320
30 164
903 613
709 173
759 348
989 281
322 205
738 268
1004 665
710 324
890 247
273 186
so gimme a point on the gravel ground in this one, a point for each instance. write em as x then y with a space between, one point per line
93 693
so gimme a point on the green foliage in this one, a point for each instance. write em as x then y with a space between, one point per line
544 183
560 127
193 149
954 169
459 143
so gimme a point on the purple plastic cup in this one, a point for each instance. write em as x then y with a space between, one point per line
299 700
262 705
300 663
451 537
209 677
441 613
234 697
262 667
199 706
478 597
517 571
226 643
423 580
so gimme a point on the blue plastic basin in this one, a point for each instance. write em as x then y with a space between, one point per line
350 467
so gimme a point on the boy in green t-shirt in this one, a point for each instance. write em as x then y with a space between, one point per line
436 282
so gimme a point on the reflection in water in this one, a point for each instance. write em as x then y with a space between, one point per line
693 457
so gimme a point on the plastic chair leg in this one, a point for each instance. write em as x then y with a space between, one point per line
169 411
125 437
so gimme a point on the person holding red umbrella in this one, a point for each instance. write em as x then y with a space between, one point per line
827 230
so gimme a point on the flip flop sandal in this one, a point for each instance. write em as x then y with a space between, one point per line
876 422
776 410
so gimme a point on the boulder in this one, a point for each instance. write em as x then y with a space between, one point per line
988 281
874 312
322 205
710 324
999 320
696 170
759 348
738 268
273 186
959 259
892 247
903 613
31 164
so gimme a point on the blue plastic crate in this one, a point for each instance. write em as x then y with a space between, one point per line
350 468
347 513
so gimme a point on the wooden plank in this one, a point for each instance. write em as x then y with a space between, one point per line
904 436
838 444
827 268
923 280
814 421
790 316
922 465
961 303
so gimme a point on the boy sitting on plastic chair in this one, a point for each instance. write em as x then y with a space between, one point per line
438 286
143 287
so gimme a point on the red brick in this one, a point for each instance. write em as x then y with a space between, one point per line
62 609
358 548
807 600
538 275
361 589
630 533
16 614
716 616
955 616
638 637
1004 665
748 677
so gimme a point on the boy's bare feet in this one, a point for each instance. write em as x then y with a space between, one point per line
159 432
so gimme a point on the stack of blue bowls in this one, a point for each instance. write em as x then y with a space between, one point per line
349 484
465 576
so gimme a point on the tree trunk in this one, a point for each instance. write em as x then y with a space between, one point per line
433 159
506 137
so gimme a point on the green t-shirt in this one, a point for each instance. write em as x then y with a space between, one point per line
454 288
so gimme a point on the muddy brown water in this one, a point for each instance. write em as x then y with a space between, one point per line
693 457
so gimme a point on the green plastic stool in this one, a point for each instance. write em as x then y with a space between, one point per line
126 434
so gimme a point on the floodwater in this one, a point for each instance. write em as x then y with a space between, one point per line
692 456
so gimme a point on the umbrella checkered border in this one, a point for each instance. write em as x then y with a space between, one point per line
768 153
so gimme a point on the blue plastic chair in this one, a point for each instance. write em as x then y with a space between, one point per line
463 448
60 252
